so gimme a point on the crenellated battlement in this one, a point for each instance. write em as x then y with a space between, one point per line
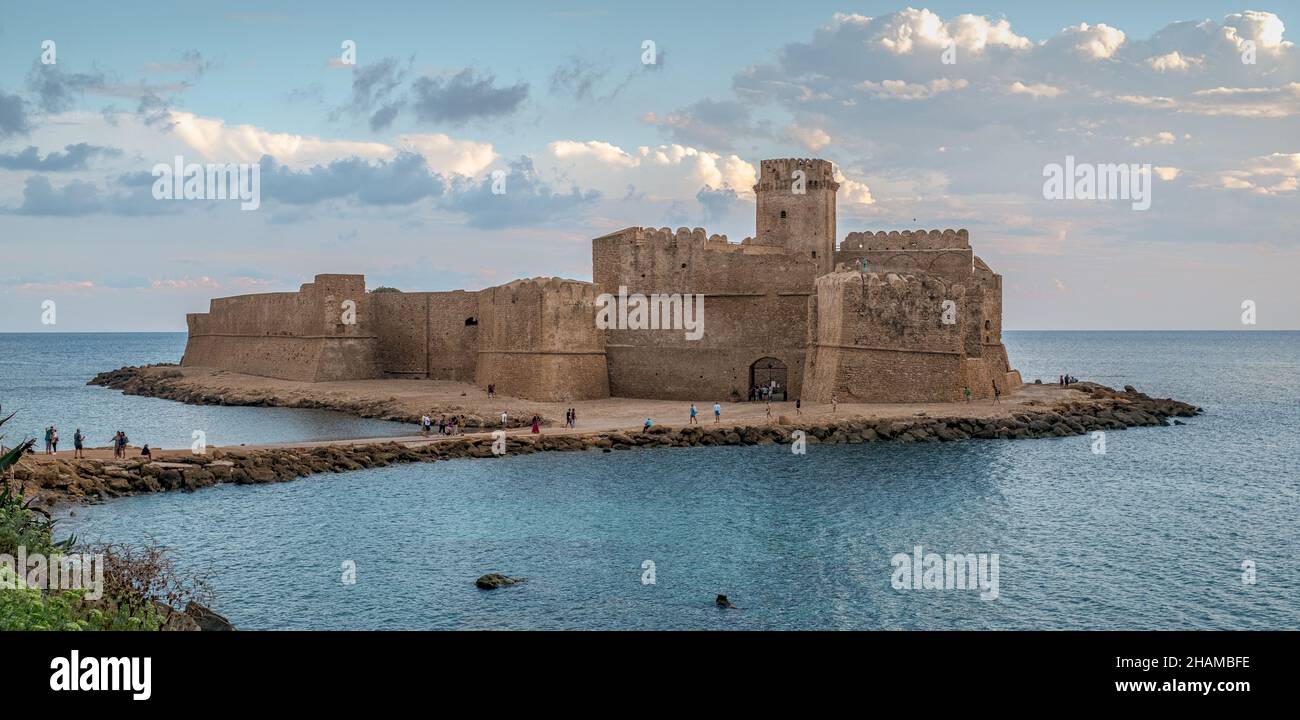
907 240
778 174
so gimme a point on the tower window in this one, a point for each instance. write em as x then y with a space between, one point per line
782 214
470 321
814 252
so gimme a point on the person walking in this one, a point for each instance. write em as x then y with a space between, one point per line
835 403
694 420
574 418
997 394
798 406
49 439
767 407
55 440
505 420
966 390
78 443
537 425
717 412
424 424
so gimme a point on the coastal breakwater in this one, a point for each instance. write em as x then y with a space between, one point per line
58 479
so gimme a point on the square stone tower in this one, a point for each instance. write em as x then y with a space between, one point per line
796 208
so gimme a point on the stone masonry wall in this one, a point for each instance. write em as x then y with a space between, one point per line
292 336
538 340
755 306
880 338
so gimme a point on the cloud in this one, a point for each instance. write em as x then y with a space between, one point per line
809 138
374 89
1175 62
1035 90
526 201
403 180
1243 102
1269 175
13 115
1163 137
901 90
914 31
76 198
666 172
217 141
56 90
718 203
203 282
192 64
1093 42
707 123
577 78
446 154
465 96
74 157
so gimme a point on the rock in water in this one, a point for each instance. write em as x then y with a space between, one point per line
492 581
723 602
207 619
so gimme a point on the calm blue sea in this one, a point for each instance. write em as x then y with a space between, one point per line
1152 534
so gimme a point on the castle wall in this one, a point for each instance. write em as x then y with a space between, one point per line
754 307
292 336
880 338
538 340
427 334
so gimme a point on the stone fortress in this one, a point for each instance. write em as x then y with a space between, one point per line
883 317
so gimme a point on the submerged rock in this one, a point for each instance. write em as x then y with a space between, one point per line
723 602
492 581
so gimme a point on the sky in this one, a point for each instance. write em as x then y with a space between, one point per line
381 157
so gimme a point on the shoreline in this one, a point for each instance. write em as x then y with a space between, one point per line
1078 410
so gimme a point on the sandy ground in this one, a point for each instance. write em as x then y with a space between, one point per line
415 397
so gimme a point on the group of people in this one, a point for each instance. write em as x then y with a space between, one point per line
765 392
119 445
1067 379
119 442
695 420
52 442
447 425
571 418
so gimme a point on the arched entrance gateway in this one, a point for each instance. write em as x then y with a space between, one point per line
769 373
